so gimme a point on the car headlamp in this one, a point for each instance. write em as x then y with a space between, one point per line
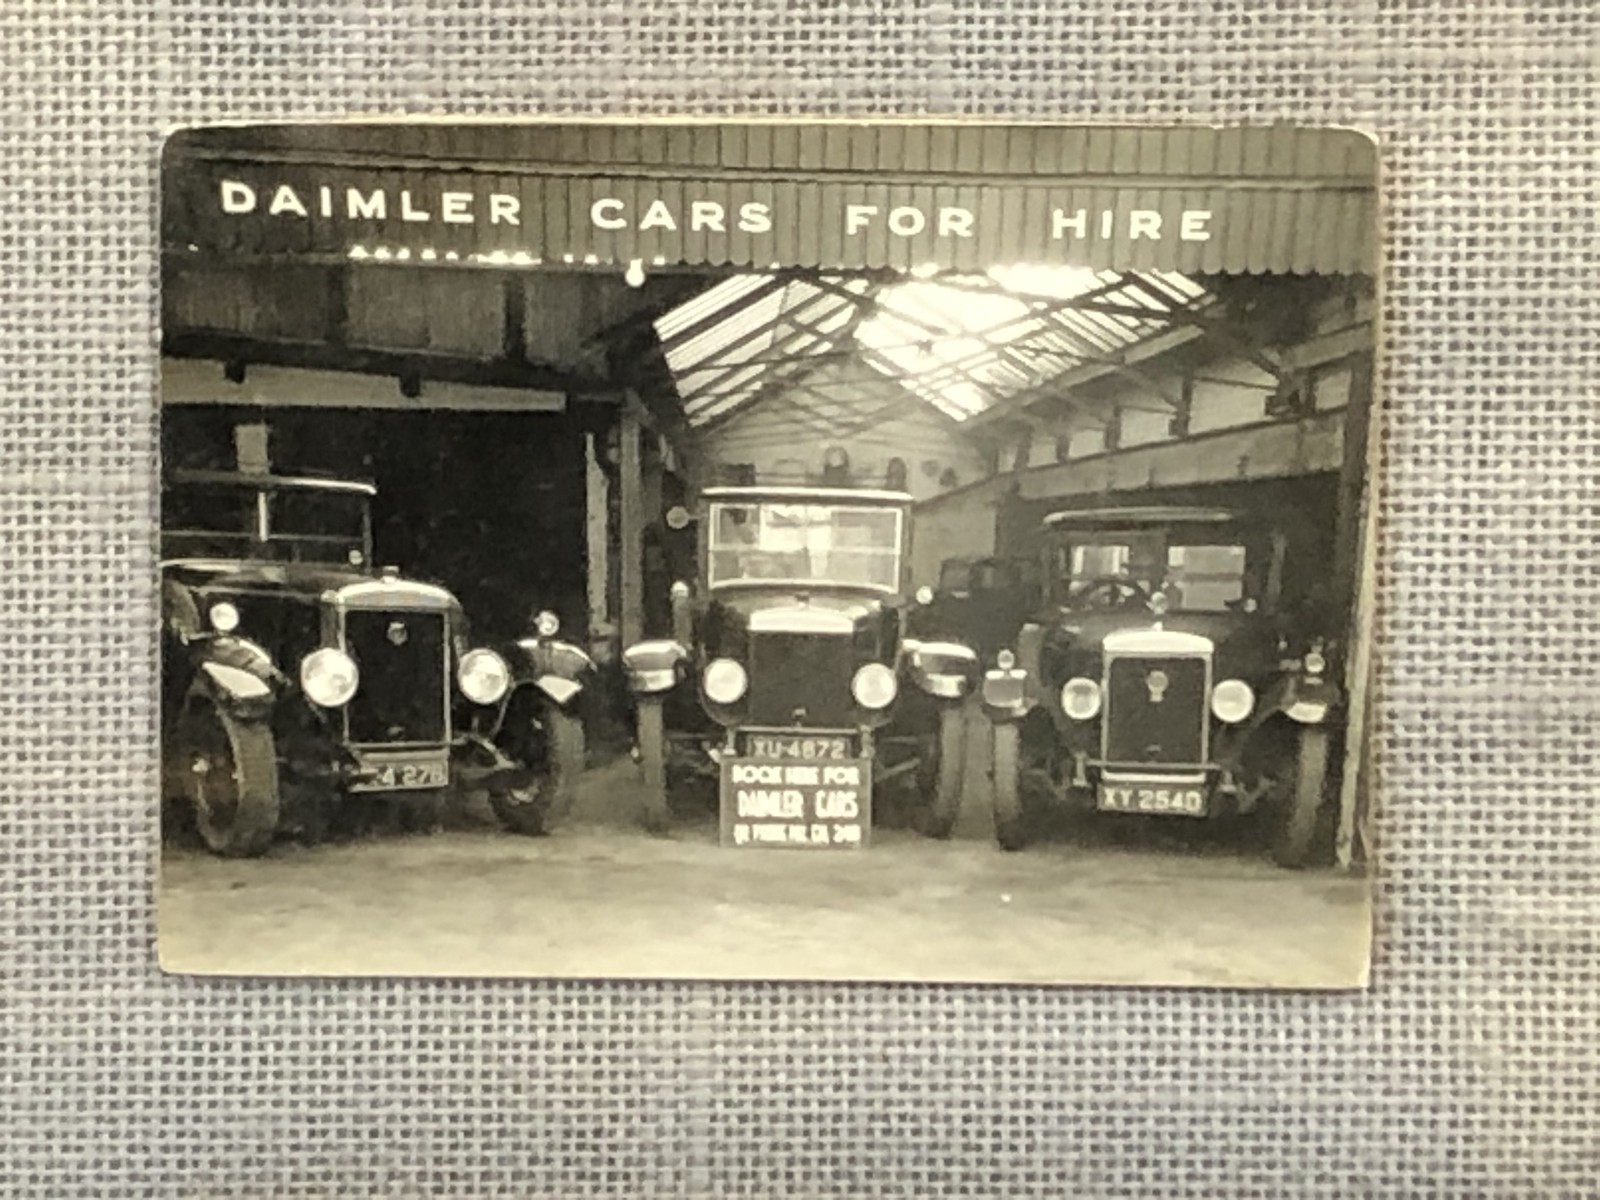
483 676
547 624
1005 660
223 616
1232 700
329 677
874 686
1080 698
924 595
725 681
1314 662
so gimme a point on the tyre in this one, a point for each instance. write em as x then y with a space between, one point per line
941 771
1006 779
229 778
1295 839
652 736
569 754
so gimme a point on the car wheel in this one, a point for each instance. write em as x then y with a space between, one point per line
944 762
569 754
230 779
1006 779
1301 807
652 736
544 796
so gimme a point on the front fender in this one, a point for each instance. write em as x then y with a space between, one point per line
1306 699
654 667
559 670
237 674
1005 695
944 670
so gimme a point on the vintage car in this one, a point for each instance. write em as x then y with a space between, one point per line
792 644
297 675
981 602
1165 678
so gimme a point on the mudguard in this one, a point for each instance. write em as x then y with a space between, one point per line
1005 694
944 670
655 667
559 670
1308 699
237 674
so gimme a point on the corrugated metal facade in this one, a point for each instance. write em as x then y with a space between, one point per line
1280 199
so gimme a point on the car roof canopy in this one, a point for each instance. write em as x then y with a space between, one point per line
1149 516
266 482
808 495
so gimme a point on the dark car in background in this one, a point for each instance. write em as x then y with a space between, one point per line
297 674
1165 677
793 645
981 602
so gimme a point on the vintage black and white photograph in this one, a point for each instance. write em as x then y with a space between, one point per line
890 551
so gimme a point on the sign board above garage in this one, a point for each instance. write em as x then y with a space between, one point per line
834 196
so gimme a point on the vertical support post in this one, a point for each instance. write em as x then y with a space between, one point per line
596 508
632 512
1354 533
1180 415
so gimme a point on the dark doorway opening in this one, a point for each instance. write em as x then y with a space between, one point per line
490 505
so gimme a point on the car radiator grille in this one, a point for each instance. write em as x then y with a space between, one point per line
801 671
1156 710
404 690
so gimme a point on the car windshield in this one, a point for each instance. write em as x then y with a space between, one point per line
843 544
303 524
982 576
1194 577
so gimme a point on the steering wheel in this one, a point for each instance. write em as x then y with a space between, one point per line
1108 593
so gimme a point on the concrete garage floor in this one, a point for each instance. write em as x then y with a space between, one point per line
602 899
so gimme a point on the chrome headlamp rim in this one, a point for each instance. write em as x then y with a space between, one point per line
724 681
1232 700
1081 698
483 676
874 686
329 677
223 616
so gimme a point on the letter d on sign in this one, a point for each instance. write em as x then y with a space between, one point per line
237 197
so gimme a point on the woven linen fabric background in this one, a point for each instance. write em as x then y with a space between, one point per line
1470 1067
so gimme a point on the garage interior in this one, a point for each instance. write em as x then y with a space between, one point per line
531 424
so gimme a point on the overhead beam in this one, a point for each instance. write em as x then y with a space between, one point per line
1275 450
195 381
1150 348
413 366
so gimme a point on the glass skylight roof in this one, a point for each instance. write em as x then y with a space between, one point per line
962 343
